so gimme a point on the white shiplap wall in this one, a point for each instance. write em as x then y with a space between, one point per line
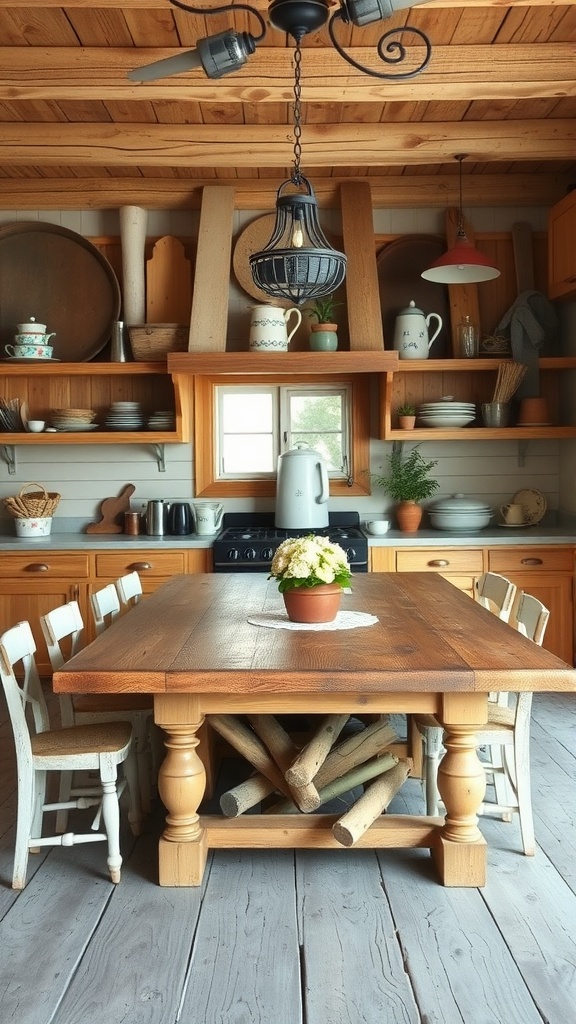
84 474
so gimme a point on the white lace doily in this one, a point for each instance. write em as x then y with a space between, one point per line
343 620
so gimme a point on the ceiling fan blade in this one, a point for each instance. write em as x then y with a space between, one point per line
164 68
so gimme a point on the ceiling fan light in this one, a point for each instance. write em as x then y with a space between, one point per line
461 264
365 12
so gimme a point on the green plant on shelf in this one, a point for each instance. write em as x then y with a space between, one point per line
408 476
323 310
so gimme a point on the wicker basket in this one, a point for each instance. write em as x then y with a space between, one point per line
152 342
36 504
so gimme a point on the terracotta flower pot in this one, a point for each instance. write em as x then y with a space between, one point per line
313 604
409 516
407 422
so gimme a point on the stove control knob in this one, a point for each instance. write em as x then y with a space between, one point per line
250 554
350 554
232 554
267 554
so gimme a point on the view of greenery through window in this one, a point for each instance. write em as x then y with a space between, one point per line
256 424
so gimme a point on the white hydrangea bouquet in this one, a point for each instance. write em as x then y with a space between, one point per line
309 562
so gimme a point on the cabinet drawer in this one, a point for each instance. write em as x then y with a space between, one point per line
531 559
439 560
146 563
43 564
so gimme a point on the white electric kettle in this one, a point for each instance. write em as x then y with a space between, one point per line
302 490
411 339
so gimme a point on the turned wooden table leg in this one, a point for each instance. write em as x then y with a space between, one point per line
181 782
461 850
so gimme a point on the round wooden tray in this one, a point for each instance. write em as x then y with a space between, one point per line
253 238
59 277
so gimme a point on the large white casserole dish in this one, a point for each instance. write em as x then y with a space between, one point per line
459 514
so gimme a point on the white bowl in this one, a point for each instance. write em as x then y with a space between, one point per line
39 526
378 527
36 426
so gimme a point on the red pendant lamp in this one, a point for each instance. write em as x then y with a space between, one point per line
461 263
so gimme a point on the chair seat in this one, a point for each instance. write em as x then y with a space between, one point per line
108 738
93 703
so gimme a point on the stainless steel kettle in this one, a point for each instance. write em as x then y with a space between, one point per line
302 490
156 518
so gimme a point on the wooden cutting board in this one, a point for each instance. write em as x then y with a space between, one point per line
168 283
112 511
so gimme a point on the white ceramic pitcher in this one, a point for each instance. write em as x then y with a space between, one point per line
269 330
411 339
207 516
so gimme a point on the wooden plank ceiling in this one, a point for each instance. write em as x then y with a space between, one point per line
76 133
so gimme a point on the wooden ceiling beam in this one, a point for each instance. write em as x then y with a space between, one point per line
512 71
262 5
394 191
340 145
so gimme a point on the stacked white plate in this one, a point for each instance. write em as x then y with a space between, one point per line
124 416
162 421
447 414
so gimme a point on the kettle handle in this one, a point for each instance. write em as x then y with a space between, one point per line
324 483
437 317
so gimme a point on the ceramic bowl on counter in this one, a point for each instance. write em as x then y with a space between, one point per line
460 514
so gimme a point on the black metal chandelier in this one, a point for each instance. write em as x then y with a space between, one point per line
297 263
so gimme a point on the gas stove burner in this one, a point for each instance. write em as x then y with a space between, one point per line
248 541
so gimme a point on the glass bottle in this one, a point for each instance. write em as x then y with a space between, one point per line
467 339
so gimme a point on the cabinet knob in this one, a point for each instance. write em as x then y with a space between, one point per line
439 563
140 566
37 567
531 561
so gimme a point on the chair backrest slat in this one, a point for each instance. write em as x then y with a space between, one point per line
496 593
63 629
129 589
17 647
105 607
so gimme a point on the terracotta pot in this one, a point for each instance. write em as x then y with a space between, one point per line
409 516
407 422
313 604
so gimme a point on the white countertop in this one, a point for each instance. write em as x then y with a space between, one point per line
490 537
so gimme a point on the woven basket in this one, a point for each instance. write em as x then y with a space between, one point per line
36 504
153 341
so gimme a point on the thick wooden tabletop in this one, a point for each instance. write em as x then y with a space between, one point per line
193 635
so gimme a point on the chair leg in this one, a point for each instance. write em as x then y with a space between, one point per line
131 774
503 791
524 793
143 757
26 804
64 791
432 751
38 808
111 816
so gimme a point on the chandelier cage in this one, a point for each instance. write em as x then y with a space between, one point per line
462 263
298 263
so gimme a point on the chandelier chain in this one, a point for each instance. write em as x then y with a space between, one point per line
297 111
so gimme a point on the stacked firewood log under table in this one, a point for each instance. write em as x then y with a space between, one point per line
294 778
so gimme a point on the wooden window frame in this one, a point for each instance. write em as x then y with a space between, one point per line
205 484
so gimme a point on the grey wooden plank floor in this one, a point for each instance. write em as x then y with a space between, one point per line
302 937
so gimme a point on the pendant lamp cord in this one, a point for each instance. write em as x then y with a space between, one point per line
460 158
297 111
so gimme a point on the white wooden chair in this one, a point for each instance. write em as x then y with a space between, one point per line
506 736
129 590
495 593
105 607
40 749
62 628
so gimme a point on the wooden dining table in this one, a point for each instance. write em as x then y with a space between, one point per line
432 650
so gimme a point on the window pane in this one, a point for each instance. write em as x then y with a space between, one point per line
252 411
248 453
317 420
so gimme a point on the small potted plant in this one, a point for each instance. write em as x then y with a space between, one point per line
408 483
311 571
323 336
406 416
